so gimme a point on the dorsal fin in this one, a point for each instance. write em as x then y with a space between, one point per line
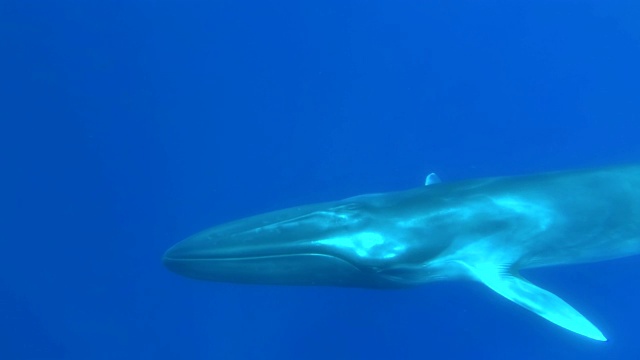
432 179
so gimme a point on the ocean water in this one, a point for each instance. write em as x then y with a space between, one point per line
126 126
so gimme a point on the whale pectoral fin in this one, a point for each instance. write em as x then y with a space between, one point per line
541 302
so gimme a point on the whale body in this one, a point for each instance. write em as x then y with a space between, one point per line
484 230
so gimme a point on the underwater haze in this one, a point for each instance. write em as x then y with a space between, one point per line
126 126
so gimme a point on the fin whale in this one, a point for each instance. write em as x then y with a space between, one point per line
484 230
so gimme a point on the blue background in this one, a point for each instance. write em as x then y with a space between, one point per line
129 125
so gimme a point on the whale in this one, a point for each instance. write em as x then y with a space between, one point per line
483 230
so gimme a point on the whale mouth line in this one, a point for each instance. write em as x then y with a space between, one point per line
235 258
257 257
260 258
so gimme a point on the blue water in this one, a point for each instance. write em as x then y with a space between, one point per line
129 125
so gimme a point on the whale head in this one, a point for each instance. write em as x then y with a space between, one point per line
346 243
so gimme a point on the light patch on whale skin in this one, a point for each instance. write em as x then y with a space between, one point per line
520 206
364 244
